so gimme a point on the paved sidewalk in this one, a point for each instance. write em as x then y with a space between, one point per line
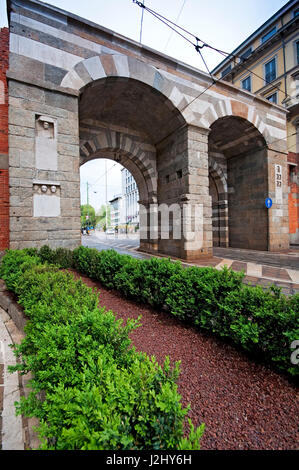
261 268
11 429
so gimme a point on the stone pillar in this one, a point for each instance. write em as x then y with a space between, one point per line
199 194
148 216
44 167
183 188
278 216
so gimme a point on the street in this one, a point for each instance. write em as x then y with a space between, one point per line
261 268
123 244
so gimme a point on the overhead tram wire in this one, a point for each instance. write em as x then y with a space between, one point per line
177 19
141 26
198 47
104 174
164 20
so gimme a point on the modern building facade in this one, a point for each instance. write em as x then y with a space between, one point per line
130 197
116 211
267 63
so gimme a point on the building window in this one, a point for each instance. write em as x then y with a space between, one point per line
296 12
226 71
270 71
246 54
272 98
246 84
292 176
269 35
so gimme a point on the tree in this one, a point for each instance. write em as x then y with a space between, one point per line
101 216
88 216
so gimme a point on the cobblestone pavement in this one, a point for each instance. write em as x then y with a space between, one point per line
261 267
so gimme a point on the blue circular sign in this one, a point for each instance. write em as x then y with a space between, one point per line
268 203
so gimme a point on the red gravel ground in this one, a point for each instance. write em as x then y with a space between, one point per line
243 404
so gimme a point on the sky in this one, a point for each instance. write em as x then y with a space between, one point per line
222 23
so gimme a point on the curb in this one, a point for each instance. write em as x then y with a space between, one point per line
18 429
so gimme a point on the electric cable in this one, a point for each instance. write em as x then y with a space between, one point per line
141 26
177 19
198 47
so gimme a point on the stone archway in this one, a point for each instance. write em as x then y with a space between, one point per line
126 120
238 166
67 73
218 192
119 147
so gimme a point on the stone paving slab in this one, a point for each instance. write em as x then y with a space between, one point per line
261 267
11 425
288 260
18 432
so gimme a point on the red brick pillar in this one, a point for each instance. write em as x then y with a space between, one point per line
293 178
4 180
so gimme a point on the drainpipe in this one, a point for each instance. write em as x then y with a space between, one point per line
284 67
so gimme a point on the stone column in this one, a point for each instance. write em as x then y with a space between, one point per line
148 216
183 188
278 214
198 193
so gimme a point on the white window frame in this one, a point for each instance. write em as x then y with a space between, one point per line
265 64
226 68
272 94
250 50
274 27
246 78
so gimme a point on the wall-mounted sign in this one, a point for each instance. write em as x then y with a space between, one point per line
278 184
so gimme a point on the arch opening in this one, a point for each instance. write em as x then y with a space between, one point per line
115 202
128 103
125 120
238 168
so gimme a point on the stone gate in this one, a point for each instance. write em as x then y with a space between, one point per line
78 91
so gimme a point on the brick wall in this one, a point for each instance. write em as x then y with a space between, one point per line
4 180
293 197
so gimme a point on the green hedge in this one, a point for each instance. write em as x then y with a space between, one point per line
264 323
90 388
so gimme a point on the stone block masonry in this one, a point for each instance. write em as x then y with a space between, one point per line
79 92
4 180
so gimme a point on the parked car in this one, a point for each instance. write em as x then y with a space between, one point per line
110 231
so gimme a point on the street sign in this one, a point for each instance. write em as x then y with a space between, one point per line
268 203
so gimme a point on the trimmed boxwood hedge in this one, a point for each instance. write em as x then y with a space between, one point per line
264 323
90 390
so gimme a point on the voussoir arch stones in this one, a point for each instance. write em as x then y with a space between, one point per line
129 154
118 65
229 107
202 112
218 175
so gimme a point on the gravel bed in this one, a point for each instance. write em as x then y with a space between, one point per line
244 405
